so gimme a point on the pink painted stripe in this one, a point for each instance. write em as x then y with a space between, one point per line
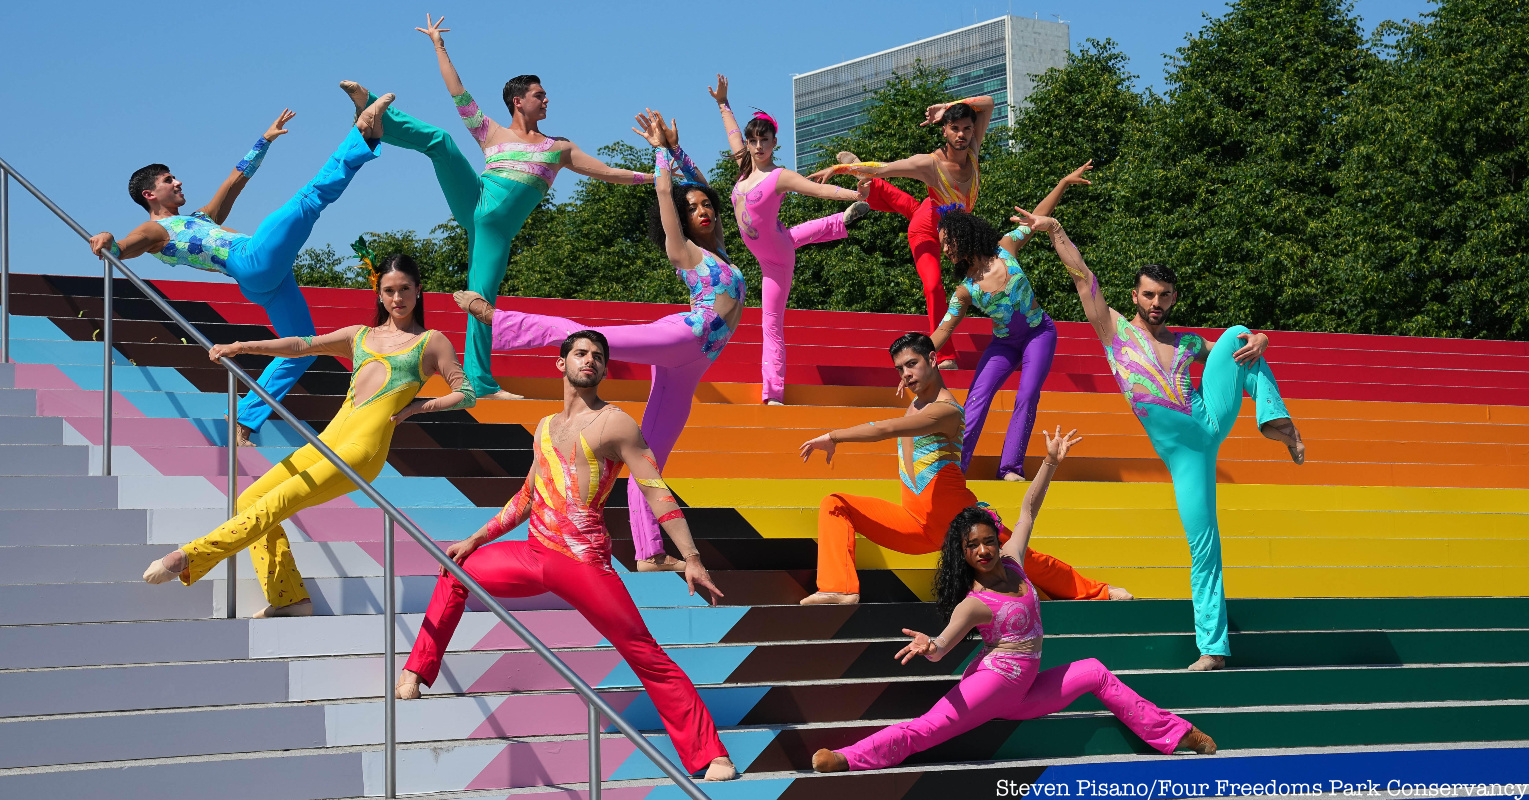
133 432
43 376
526 672
83 403
544 715
555 628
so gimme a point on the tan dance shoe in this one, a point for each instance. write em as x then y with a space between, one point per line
1117 593
1206 663
721 769
1197 741
826 760
158 572
407 687
830 598
663 562
302 608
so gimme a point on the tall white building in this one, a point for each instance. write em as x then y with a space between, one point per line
996 58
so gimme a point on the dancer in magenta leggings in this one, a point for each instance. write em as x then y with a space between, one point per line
760 187
679 347
981 585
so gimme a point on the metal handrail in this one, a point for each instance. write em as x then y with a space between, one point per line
597 705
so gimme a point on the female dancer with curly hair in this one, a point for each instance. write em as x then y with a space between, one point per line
981 585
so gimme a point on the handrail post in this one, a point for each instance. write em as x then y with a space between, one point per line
594 752
5 267
106 320
389 702
231 604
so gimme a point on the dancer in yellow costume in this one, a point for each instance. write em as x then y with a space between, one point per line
392 359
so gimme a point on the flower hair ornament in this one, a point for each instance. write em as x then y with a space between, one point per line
368 259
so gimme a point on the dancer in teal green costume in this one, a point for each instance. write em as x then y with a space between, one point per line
520 163
1186 426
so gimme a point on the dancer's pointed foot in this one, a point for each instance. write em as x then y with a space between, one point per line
1117 593
846 157
663 562
773 402
721 769
1285 432
1206 663
407 687
476 306
1197 741
302 608
830 599
856 210
826 760
502 395
242 434
1012 476
164 570
949 363
358 94
369 121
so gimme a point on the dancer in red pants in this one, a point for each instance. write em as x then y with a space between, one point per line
579 453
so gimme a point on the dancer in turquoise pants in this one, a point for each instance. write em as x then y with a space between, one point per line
1186 426
520 163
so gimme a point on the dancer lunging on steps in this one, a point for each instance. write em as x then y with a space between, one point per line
261 263
981 585
1185 425
953 179
1024 337
928 440
756 203
686 222
520 163
393 358
578 454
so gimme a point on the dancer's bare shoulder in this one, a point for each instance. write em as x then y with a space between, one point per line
614 433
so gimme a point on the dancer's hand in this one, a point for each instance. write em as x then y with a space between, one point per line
220 351
1034 222
434 30
414 407
1253 350
459 551
669 131
1075 178
278 127
719 94
696 575
863 189
822 175
101 242
920 646
1058 445
649 130
934 113
824 443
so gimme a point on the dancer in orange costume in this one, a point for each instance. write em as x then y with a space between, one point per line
934 491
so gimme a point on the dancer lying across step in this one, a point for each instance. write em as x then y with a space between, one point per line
1024 337
393 358
520 164
261 263
1185 425
934 490
579 453
680 347
953 179
981 585
757 195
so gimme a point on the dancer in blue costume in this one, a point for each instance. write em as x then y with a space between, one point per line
261 262
1185 425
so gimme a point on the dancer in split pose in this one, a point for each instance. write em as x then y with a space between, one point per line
1185 425
520 164
981 585
934 490
261 262
953 179
756 203
579 453
1024 337
393 358
686 222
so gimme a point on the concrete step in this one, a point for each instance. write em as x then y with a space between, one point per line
75 527
44 459
18 402
7 376
31 430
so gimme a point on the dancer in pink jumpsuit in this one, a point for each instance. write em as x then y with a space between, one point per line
680 348
981 585
757 194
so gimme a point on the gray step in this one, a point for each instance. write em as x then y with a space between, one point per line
7 376
31 492
76 527
309 776
31 430
44 459
103 602
18 402
111 563
29 647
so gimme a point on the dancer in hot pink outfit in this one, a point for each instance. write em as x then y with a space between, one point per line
981 585
757 194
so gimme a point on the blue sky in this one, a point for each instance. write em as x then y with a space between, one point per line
93 90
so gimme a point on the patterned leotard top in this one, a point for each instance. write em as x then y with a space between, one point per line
760 204
932 452
1016 621
705 280
1017 294
534 165
563 518
197 241
1141 376
405 373
945 193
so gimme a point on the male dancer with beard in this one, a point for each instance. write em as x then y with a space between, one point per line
579 453
934 490
953 179
1185 425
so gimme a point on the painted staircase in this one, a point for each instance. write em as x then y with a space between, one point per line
1381 626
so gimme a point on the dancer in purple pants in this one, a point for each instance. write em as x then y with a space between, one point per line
981 585
1024 338
679 347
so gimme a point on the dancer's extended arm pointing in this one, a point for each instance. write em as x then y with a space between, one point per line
1099 313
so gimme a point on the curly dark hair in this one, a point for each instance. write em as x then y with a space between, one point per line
972 237
679 195
953 578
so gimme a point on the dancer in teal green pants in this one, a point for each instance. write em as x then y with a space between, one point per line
520 163
1186 426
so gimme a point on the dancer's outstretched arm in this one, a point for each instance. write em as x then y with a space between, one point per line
335 343
478 124
223 200
1020 237
933 418
919 167
682 253
791 181
729 122
145 238
441 359
509 518
577 160
1056 450
960 303
1099 313
969 613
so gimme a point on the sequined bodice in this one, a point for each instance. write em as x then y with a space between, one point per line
1141 376
563 518
196 241
532 164
709 278
404 370
932 452
1016 295
1016 620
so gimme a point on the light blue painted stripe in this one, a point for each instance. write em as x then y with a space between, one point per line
129 378
176 405
742 746
702 664
456 524
40 351
658 589
417 491
25 327
704 625
728 707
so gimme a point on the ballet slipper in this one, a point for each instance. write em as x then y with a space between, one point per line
856 210
466 300
663 562
773 402
949 363
826 760
158 572
1117 593
358 95
369 121
1014 476
1285 432
302 608
1206 663
846 157
407 687
502 395
1197 741
830 598
242 434
721 769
